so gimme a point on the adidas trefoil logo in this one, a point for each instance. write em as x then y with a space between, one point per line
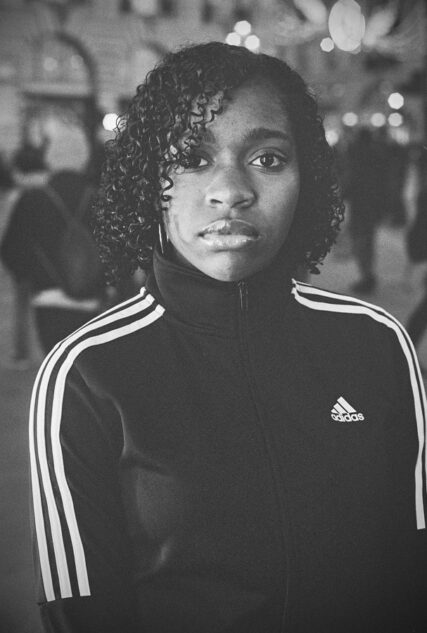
342 411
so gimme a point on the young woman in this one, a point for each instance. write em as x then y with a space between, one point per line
230 450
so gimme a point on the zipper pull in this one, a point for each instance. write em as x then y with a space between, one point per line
243 295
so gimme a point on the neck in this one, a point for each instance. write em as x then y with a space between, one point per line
193 297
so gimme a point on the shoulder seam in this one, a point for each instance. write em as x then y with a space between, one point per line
306 291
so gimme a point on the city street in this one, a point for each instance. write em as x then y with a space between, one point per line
398 291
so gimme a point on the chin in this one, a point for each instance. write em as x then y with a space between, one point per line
228 277
232 272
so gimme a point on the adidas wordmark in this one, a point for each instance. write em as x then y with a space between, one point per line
342 411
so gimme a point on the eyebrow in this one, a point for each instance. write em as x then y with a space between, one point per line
256 134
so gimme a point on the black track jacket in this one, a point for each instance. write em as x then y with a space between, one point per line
215 457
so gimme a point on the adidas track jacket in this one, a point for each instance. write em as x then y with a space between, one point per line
214 457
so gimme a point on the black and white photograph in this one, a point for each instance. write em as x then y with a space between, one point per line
213 316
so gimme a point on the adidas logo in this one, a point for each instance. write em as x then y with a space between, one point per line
344 412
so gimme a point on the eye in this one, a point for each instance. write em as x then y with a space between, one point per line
192 161
269 160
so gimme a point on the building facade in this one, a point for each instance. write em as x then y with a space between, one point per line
64 64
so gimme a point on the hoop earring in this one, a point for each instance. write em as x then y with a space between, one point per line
163 238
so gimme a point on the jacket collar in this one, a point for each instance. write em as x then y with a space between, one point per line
198 300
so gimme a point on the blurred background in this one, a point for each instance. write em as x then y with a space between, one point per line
68 68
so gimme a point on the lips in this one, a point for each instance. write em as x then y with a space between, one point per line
228 234
230 227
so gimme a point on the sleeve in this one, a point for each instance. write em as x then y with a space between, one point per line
408 473
81 547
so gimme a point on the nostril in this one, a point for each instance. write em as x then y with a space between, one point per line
230 190
231 199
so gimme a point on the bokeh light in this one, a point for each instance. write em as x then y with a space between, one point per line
234 39
395 119
252 42
109 122
350 119
327 44
243 28
396 101
378 119
332 136
347 25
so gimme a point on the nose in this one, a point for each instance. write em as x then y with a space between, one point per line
229 189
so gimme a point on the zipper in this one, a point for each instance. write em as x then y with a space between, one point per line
243 299
243 296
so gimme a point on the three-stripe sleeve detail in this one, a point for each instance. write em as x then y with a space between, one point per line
324 300
55 520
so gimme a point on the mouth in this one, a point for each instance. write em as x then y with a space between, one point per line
229 234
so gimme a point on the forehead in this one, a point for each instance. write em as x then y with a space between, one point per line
255 104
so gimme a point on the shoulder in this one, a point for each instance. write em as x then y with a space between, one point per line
135 316
104 344
360 333
353 317
320 300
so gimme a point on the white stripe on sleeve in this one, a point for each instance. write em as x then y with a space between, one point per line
63 355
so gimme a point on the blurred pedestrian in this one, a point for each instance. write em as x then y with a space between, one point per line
30 158
229 451
365 191
28 170
417 252
396 173
43 225
29 165
6 179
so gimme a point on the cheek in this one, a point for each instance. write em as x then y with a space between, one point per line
185 198
184 212
172 220
283 201
178 220
186 186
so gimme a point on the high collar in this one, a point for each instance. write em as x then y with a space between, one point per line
218 306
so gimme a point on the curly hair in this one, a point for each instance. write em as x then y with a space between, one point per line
167 118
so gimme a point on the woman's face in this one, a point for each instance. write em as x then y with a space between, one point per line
232 205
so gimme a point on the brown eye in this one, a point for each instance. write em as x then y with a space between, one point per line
268 160
192 161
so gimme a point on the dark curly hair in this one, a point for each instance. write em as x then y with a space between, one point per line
166 119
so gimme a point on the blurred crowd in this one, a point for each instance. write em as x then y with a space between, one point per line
375 172
47 247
